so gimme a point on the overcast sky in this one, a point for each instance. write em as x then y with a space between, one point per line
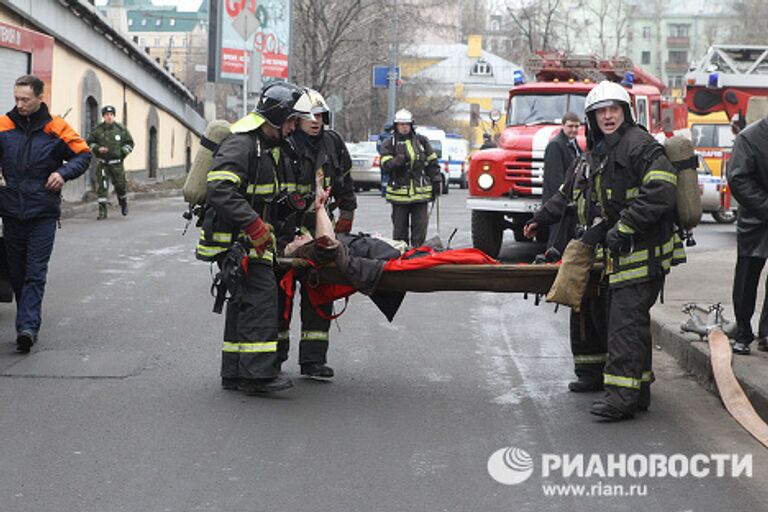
183 5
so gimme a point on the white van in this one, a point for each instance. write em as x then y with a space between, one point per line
452 152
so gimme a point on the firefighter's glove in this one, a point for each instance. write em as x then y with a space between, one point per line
618 242
343 226
437 187
398 162
260 234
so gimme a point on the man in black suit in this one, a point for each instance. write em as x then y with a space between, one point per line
748 179
559 155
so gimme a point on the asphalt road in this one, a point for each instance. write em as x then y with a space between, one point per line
119 407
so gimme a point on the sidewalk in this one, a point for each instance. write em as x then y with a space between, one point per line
71 209
707 278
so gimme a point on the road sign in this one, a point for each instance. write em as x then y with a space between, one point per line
381 76
335 103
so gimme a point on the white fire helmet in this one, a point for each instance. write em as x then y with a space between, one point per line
603 95
403 116
606 94
303 107
319 105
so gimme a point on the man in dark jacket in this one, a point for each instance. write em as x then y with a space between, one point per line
414 179
559 155
34 145
748 179
319 148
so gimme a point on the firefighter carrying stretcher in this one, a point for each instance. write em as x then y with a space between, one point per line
626 199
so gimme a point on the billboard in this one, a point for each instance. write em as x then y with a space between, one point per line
252 35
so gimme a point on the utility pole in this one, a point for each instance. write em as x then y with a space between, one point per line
392 75
245 74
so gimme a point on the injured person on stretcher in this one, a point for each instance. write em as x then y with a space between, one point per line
355 262
335 265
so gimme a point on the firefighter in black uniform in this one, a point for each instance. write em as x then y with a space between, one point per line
317 147
248 210
414 179
634 185
571 207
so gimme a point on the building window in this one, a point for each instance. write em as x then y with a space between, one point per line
158 22
141 41
172 22
481 68
157 41
646 32
678 30
675 81
645 58
678 57
495 23
130 22
143 22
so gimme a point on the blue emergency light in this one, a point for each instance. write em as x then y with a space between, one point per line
713 81
629 79
518 77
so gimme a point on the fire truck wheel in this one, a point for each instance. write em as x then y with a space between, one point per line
487 231
723 216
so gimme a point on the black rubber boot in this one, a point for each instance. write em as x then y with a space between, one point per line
260 386
585 385
123 206
317 370
24 341
608 412
762 344
102 211
230 384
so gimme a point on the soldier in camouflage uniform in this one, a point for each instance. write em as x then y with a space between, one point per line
110 143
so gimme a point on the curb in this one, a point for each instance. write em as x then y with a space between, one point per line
692 354
71 209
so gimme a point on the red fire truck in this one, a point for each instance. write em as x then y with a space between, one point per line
726 79
505 183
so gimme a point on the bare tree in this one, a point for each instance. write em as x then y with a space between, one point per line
536 20
335 44
753 15
610 19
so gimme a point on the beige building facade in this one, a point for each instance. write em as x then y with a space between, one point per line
88 72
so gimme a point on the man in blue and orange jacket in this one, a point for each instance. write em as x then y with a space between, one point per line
34 146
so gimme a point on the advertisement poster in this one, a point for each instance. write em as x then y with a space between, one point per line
259 28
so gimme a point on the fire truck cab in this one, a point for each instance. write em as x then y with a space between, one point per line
505 183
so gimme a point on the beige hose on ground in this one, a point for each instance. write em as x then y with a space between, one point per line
733 396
